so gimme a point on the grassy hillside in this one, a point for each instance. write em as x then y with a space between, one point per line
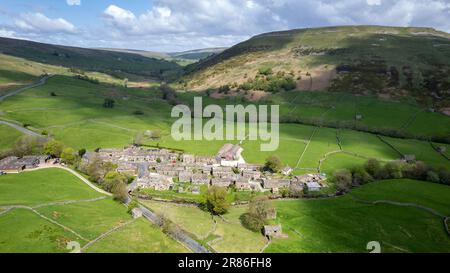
120 64
46 226
345 225
390 62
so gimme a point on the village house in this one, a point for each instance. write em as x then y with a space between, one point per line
207 169
222 172
205 160
185 176
250 174
275 184
230 155
200 178
221 182
188 159
243 184
286 170
155 181
127 168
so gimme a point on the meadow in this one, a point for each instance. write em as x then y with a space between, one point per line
225 235
56 208
343 224
9 136
74 114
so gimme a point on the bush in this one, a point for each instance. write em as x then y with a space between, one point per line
273 164
216 200
361 176
372 166
433 177
54 148
252 222
343 180
394 169
69 156
138 113
108 103
120 192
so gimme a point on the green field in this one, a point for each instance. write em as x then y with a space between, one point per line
44 223
141 237
225 236
42 186
344 225
9 136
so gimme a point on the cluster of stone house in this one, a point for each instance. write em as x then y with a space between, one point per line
159 169
17 164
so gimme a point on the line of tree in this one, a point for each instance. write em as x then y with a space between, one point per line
374 170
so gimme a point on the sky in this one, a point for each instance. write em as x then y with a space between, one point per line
177 25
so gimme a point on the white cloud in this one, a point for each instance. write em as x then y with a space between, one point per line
172 25
73 2
373 2
39 23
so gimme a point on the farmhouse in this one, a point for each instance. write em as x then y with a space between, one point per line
230 155
313 186
10 164
15 164
275 184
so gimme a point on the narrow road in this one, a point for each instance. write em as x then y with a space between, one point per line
42 81
179 236
21 129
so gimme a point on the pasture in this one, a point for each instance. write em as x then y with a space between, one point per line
223 235
76 116
55 208
345 225
8 137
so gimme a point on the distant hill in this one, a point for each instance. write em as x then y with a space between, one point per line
119 64
387 61
197 54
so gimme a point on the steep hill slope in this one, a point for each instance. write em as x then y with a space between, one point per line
120 64
388 61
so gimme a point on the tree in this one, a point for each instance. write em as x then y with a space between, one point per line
69 156
444 176
343 180
394 169
54 148
112 179
216 200
372 167
120 192
108 103
261 207
432 176
26 145
81 152
139 139
361 176
273 164
259 211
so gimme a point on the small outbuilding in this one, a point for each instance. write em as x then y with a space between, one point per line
272 230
